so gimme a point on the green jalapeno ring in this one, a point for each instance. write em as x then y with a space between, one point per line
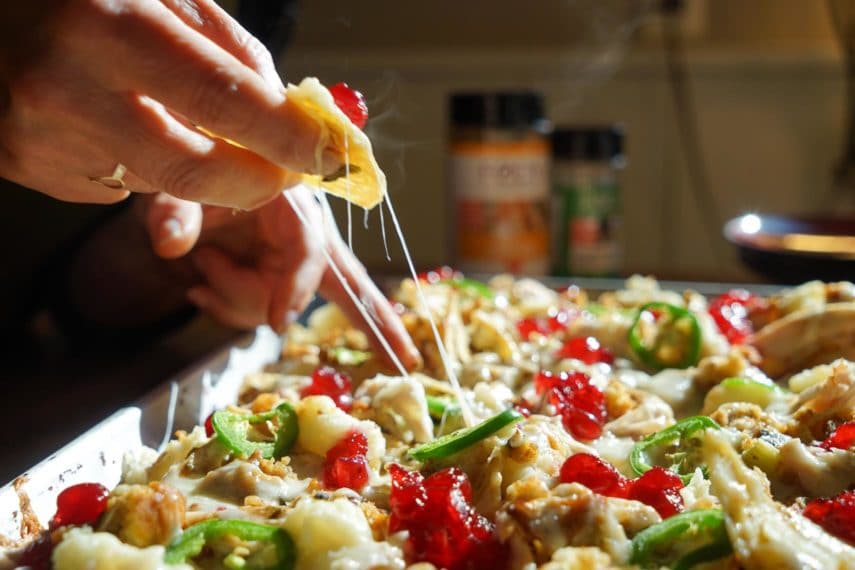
661 537
191 542
349 356
461 439
440 407
467 285
231 430
681 432
649 356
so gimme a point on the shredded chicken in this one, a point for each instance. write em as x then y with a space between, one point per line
819 473
537 521
764 533
831 401
748 418
399 407
651 414
491 333
806 338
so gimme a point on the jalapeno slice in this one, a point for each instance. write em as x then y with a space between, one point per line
675 444
665 336
742 390
441 407
463 438
190 543
349 356
682 541
471 286
232 430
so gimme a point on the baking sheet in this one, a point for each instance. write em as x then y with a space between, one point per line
96 456
186 401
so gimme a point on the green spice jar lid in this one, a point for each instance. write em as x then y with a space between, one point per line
592 143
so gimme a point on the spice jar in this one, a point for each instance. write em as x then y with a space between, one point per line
586 208
499 183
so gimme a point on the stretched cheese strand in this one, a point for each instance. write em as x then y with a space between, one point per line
466 412
170 415
347 186
383 232
356 301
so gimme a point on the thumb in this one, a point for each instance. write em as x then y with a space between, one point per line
172 224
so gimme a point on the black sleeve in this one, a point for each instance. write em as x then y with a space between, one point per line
271 21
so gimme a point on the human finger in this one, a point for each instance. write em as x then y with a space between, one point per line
206 299
236 295
375 303
179 160
209 19
173 225
178 66
63 163
296 258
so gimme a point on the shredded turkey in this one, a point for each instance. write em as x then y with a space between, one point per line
764 533
399 406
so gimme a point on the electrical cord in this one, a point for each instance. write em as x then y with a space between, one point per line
688 132
842 14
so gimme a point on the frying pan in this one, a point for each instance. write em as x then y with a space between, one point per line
792 250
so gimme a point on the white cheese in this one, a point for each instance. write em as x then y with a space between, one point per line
82 548
326 531
323 424
399 405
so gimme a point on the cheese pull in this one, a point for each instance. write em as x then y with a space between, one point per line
360 180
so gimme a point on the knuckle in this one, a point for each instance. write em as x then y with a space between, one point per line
256 51
215 102
184 178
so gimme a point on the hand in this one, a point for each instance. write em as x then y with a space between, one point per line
263 267
125 81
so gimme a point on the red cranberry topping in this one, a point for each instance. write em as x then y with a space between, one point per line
545 326
345 464
660 489
841 438
351 102
730 312
595 474
327 381
836 515
581 405
80 504
443 527
209 425
37 555
587 349
438 274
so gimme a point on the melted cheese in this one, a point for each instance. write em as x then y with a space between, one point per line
326 532
364 183
82 548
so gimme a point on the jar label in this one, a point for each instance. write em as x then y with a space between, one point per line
500 195
587 228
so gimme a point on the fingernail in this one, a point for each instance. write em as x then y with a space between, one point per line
291 318
172 229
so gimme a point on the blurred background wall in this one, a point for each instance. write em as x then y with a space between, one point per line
766 77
